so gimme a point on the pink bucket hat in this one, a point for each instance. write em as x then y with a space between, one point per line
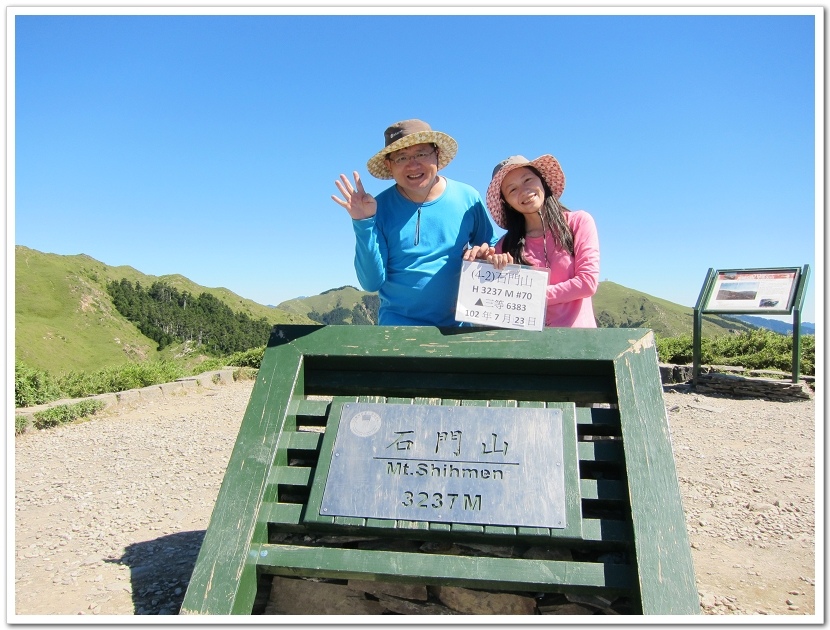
545 164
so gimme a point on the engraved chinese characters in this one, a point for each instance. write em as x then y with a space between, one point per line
514 297
449 464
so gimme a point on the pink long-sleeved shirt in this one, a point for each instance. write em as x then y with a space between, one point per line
573 279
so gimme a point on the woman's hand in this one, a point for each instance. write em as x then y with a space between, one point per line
358 203
500 260
479 252
488 254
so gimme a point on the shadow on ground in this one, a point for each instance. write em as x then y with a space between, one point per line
160 571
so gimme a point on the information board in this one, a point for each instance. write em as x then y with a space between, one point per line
484 465
753 290
513 297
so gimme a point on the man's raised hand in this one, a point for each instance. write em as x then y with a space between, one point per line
358 203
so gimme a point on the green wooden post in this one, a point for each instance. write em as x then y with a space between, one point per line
665 570
224 577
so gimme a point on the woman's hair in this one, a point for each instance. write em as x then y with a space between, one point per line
553 220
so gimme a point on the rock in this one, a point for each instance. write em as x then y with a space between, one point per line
541 553
566 609
404 591
472 602
406 607
707 408
294 596
741 386
707 600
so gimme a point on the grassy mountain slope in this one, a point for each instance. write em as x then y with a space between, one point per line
616 306
65 320
346 297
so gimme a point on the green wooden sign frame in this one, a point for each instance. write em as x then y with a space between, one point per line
794 306
632 533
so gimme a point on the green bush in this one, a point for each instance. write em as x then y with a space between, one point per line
62 414
248 358
33 387
759 349
20 423
120 378
675 349
245 359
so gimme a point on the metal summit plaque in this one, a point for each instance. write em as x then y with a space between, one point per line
482 465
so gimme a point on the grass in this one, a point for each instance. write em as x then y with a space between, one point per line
65 319
754 350
616 306
119 379
35 387
61 414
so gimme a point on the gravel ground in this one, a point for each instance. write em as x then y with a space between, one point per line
110 513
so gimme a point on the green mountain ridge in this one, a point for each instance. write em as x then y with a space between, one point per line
65 319
346 297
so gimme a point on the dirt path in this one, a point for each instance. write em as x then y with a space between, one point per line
110 513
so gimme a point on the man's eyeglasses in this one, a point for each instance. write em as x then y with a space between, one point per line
420 156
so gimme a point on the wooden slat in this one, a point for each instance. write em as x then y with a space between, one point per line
290 476
606 530
223 581
601 452
281 513
603 421
301 440
452 385
665 570
305 407
351 521
603 489
465 571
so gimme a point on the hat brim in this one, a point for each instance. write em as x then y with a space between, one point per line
550 170
447 148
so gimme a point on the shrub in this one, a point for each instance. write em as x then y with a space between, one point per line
245 374
245 359
80 384
120 378
20 423
135 375
759 349
33 387
248 358
675 349
62 414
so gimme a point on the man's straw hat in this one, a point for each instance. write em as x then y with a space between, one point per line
405 134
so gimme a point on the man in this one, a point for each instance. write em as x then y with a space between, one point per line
411 239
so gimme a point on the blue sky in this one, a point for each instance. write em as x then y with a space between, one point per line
208 145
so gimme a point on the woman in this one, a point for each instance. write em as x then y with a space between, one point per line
523 198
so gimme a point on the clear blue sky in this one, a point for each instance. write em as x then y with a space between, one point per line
208 146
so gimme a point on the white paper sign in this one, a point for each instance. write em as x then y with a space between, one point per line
513 297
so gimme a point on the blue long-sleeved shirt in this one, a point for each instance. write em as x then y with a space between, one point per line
418 283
